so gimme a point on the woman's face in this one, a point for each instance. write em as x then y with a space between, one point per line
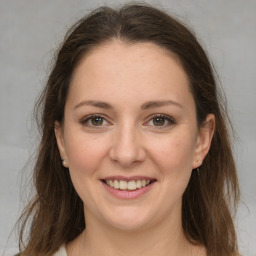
130 120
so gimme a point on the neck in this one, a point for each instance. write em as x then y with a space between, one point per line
160 239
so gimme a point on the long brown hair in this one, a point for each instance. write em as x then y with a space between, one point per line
55 215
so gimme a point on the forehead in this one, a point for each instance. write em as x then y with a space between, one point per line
141 70
117 52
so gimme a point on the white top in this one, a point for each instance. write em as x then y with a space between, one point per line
61 251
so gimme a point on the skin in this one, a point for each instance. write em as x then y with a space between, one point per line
129 142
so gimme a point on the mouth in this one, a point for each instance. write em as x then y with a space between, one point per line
130 185
128 188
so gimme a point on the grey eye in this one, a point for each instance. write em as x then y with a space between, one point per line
97 121
94 121
159 121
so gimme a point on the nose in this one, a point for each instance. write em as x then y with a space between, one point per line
127 149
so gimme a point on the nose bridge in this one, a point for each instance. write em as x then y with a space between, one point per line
127 148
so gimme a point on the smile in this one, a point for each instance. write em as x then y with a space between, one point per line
127 185
128 188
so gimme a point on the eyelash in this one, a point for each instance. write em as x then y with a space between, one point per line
169 119
89 118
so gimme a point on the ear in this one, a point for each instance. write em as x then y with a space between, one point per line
204 139
58 130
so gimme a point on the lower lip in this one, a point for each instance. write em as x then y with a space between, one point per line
128 194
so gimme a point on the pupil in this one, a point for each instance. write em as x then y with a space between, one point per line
158 121
97 121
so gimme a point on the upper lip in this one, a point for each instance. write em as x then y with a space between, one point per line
128 178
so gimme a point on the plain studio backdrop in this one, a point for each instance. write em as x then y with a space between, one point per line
30 32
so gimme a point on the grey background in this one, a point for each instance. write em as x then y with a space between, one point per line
30 31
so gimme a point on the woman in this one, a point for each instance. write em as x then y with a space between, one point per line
135 157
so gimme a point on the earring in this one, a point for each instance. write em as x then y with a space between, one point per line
63 162
197 169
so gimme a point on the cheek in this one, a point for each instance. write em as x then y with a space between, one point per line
174 153
85 153
85 157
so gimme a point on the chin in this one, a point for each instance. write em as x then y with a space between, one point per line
128 219
131 226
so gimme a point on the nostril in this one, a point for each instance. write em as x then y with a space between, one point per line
126 158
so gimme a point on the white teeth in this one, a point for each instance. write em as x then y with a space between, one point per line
123 184
138 183
130 185
116 184
111 183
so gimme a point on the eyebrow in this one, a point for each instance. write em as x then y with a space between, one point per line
146 105
155 104
98 104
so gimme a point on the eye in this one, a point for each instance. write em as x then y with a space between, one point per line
161 121
94 121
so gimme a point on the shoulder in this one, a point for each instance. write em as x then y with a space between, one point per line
61 251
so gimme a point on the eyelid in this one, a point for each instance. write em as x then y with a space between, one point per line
171 120
85 119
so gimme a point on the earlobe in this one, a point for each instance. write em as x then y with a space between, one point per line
204 140
58 130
